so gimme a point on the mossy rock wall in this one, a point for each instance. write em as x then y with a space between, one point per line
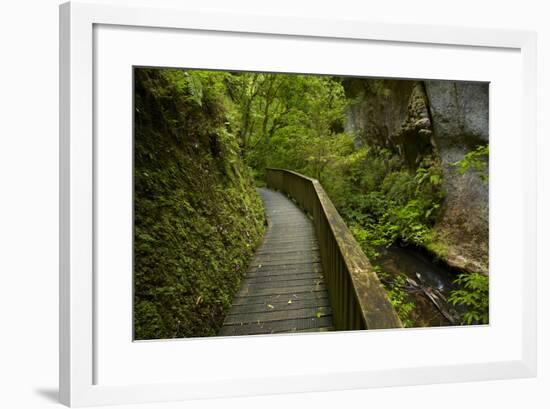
197 216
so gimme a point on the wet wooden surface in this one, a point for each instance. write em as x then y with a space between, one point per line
284 289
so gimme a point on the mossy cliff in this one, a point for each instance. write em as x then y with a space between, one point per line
197 215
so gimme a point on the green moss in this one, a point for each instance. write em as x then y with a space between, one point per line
197 216
439 248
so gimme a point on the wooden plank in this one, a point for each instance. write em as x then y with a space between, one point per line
282 257
320 329
288 247
283 240
276 259
283 263
280 305
297 230
275 274
275 327
291 232
281 290
289 250
270 299
282 277
303 228
285 269
252 287
277 315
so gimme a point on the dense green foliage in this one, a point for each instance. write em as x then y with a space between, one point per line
197 216
474 296
297 122
199 137
291 121
384 203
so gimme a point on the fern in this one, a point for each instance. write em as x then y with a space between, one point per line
195 88
474 295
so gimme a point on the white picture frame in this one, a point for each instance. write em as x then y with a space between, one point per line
78 289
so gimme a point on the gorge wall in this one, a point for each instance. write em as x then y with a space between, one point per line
197 215
443 120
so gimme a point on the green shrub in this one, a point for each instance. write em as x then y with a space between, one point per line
385 202
474 296
407 223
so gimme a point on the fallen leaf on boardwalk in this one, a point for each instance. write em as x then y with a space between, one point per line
290 301
318 314
259 266
270 306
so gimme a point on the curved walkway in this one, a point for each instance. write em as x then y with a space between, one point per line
284 289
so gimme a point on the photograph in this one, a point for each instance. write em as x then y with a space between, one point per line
273 203
256 205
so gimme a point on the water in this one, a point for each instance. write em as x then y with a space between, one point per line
429 278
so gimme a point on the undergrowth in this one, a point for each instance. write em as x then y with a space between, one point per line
385 203
473 296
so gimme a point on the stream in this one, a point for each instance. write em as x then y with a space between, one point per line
430 284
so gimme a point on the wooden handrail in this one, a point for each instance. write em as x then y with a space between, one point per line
357 297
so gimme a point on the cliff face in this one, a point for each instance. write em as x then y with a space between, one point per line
460 114
197 216
393 114
443 120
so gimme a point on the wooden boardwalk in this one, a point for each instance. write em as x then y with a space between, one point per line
284 289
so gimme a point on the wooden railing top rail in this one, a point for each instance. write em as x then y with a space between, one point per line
360 293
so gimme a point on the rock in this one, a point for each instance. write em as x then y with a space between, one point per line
460 112
392 114
460 122
423 122
380 112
